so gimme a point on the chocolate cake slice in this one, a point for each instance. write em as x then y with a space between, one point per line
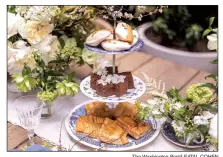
94 79
105 90
129 79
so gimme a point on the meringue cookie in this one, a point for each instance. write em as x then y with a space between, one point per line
97 37
124 32
115 45
135 37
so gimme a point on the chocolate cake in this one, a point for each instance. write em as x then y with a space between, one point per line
109 88
129 79
94 79
112 89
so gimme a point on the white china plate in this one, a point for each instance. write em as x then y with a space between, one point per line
70 124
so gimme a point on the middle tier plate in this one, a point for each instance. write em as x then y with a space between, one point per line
131 94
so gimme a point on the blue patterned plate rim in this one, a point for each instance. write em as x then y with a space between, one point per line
169 135
93 143
132 94
134 48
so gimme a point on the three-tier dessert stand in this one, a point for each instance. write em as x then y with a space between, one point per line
111 101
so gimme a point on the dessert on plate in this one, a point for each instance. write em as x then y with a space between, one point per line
108 84
125 38
113 127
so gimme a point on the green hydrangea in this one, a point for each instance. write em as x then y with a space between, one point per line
67 88
47 96
199 95
89 57
70 49
24 83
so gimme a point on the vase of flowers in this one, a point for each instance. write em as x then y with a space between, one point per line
42 43
190 119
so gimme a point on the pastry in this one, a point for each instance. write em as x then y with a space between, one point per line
123 109
134 128
97 37
97 108
115 45
124 32
104 129
135 37
89 125
111 132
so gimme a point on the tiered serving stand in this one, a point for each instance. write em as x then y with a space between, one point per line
111 101
132 94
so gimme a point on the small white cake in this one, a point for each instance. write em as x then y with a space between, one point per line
97 37
124 32
115 45
135 37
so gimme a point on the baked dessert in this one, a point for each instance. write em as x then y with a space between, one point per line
124 32
135 37
123 109
97 108
112 85
103 129
115 45
97 75
97 37
129 79
111 132
134 128
89 125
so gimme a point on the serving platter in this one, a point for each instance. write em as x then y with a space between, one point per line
132 94
70 124
100 50
169 134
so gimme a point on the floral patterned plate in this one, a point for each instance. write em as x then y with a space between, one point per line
168 133
132 94
70 124
134 48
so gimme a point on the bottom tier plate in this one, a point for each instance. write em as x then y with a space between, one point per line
70 124
132 94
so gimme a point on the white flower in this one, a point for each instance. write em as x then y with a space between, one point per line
43 14
177 105
200 120
128 16
213 42
178 125
156 93
140 17
12 25
49 48
33 31
207 114
213 131
18 55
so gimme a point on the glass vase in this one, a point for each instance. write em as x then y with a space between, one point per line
47 110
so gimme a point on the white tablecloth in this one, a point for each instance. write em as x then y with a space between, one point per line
49 129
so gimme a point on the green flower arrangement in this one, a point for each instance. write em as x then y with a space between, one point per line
192 117
198 94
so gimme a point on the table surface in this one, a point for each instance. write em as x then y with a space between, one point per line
171 73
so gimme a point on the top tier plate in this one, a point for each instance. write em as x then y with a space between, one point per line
134 48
